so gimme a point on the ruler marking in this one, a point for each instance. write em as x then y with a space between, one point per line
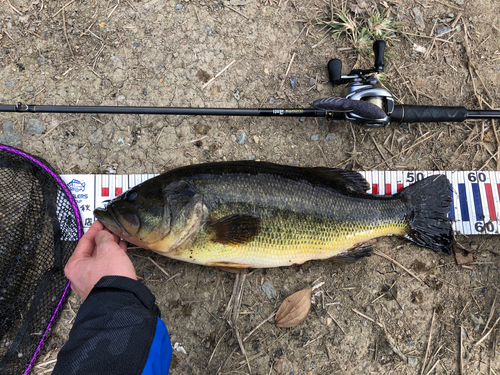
491 203
477 202
463 202
496 200
470 204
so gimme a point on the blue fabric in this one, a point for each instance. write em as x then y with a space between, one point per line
160 353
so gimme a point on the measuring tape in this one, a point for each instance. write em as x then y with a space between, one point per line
475 208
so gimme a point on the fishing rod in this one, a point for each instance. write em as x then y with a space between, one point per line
363 101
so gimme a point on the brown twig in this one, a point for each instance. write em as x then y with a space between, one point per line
64 7
337 323
485 336
161 268
461 350
428 343
492 312
406 149
218 74
399 265
66 34
287 70
259 325
236 11
217 345
14 9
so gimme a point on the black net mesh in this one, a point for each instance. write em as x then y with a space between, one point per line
39 229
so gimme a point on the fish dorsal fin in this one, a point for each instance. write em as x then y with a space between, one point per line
341 179
236 229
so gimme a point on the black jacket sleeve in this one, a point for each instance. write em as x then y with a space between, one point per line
113 330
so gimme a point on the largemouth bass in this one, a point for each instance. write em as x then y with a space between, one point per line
246 214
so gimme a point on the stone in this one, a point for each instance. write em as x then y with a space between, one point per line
9 137
442 29
419 18
242 136
96 137
34 126
269 290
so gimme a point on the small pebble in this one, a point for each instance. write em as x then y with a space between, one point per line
121 98
251 157
442 29
237 95
9 83
293 82
242 136
96 137
147 274
312 81
269 290
144 92
271 100
314 137
474 245
331 137
179 7
302 119
29 88
412 361
477 322
34 127
136 44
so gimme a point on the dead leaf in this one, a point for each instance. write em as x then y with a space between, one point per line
294 309
462 256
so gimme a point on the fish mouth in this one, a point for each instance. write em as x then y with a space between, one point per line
109 220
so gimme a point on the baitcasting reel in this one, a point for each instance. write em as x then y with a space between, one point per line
364 85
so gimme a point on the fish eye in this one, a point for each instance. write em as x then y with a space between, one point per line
131 195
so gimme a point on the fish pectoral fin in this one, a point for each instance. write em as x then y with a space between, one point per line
358 252
343 180
236 229
231 267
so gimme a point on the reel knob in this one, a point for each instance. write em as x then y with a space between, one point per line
335 71
378 50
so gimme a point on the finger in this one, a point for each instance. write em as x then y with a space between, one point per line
86 244
123 246
116 238
104 236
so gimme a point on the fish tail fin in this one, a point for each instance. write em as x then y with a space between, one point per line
429 201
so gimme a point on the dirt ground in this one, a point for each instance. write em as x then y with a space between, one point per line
161 53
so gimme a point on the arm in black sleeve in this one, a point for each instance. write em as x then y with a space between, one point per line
114 331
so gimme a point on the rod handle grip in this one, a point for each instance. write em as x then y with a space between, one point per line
428 113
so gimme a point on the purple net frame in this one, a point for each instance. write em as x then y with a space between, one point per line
79 222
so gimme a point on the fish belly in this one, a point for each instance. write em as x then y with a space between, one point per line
287 239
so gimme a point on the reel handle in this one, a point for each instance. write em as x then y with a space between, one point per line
335 71
378 50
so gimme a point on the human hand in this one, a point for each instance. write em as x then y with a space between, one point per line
98 253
